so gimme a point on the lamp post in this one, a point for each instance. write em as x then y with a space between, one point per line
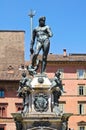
31 14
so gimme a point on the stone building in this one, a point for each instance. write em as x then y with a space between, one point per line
73 74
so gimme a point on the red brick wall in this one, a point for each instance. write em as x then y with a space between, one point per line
11 48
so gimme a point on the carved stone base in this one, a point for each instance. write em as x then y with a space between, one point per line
41 121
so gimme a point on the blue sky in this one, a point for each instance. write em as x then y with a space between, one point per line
67 19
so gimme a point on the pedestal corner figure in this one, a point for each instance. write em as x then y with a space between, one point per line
41 34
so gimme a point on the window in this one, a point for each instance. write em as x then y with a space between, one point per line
19 106
22 67
2 126
82 90
81 74
82 125
81 128
61 106
10 69
1 93
81 108
3 110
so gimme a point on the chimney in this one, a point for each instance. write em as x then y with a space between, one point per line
64 52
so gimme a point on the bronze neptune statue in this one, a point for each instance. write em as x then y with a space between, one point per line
41 33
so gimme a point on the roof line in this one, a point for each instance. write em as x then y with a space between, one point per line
12 30
77 54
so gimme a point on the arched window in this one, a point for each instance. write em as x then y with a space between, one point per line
2 94
3 109
0 111
19 106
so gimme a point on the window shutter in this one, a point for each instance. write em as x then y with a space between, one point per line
78 90
82 108
84 90
85 74
77 73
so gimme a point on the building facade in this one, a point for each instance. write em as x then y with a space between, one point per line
73 74
11 66
73 69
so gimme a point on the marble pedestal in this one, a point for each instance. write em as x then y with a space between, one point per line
40 114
